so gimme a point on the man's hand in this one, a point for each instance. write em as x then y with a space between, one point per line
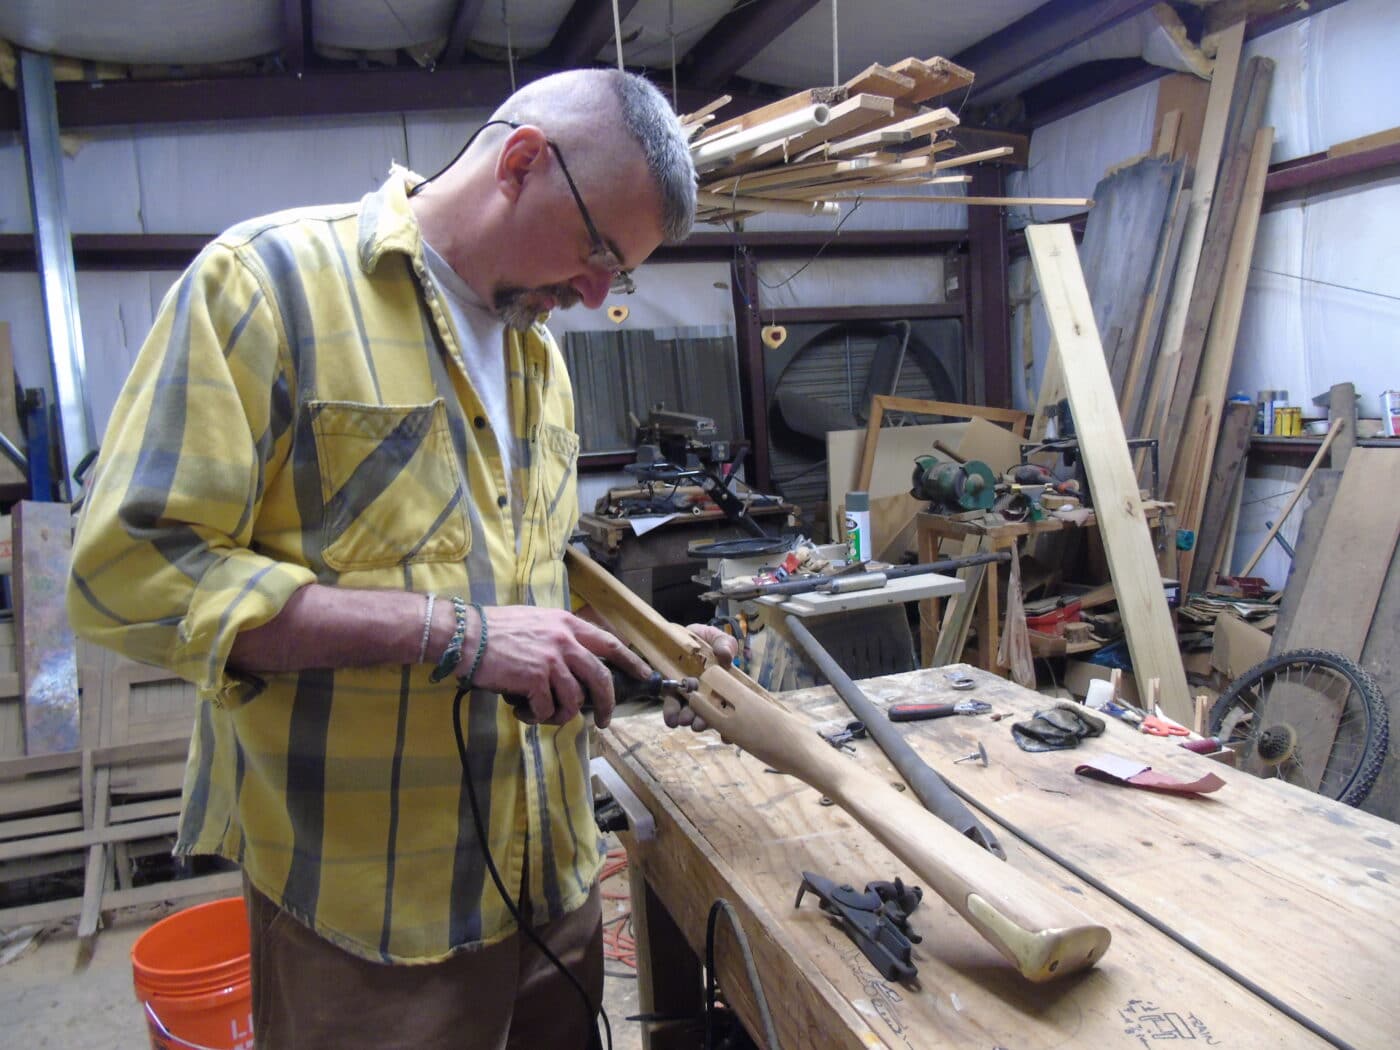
725 647
550 657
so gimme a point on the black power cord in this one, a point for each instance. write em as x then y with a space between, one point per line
770 1034
590 1009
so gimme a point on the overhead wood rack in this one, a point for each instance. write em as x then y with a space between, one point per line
817 149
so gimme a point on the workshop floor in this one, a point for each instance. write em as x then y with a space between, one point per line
45 1004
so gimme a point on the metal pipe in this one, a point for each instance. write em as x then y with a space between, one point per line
928 787
861 580
54 246
787 126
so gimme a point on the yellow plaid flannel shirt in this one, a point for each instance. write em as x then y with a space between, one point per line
300 412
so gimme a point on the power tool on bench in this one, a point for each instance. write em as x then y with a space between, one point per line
1018 497
951 487
625 687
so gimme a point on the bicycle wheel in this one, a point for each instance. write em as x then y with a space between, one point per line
1241 718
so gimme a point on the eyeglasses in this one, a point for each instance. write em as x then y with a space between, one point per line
602 257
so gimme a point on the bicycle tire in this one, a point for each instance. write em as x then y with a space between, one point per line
1363 736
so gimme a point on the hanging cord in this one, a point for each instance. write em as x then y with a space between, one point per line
510 49
671 32
770 1035
590 1009
617 33
835 44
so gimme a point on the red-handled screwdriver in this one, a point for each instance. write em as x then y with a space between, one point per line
923 712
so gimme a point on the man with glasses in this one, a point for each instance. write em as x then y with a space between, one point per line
337 486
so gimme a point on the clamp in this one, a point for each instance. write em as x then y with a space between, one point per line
877 920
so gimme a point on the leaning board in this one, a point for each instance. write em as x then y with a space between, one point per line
1298 893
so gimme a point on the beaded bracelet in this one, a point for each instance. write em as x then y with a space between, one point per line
452 655
427 628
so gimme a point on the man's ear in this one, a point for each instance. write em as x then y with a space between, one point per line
520 154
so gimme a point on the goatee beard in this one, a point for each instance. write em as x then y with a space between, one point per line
520 308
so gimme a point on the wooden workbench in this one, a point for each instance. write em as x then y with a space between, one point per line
1297 893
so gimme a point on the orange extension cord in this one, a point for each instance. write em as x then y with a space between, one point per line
619 944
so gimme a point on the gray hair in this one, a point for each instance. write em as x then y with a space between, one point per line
575 99
650 120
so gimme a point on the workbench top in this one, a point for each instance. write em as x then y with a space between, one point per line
1297 893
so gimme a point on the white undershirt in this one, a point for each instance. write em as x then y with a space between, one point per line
483 339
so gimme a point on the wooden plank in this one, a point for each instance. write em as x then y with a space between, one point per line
1227 470
1321 452
1222 89
880 80
1187 489
48 667
932 77
1149 333
729 830
1341 404
1117 504
75 840
1187 96
1366 143
1221 231
223 884
930 123
1344 585
1322 491
1132 210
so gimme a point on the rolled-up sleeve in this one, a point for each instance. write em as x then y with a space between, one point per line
166 567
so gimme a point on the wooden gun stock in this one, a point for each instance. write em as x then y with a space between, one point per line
1043 936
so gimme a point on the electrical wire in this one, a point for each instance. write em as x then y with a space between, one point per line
770 1034
1327 284
591 1011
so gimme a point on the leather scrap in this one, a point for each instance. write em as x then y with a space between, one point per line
1114 769
1059 728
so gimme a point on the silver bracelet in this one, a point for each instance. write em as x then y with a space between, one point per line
427 629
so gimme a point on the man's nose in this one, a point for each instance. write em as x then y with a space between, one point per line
593 288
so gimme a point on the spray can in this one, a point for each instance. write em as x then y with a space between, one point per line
857 520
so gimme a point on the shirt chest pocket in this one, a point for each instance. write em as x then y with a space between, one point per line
392 489
558 474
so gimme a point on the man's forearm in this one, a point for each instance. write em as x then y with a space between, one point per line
324 626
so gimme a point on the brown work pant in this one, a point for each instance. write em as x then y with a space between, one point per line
309 994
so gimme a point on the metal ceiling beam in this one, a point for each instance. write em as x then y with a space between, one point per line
459 33
586 30
296 35
1047 31
736 38
167 251
317 93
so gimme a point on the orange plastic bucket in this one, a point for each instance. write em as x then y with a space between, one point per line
192 976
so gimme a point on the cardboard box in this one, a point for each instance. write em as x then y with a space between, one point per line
1238 646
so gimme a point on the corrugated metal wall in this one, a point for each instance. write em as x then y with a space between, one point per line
617 373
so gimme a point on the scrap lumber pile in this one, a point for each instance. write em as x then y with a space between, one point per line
1169 316
812 151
